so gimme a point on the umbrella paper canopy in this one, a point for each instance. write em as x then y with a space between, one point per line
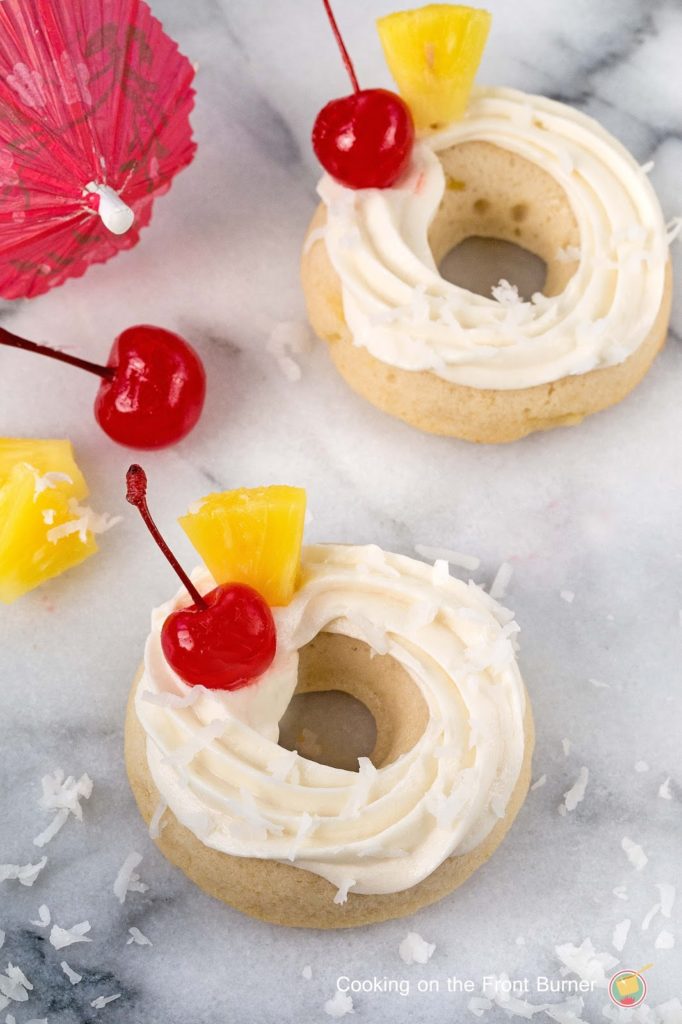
94 123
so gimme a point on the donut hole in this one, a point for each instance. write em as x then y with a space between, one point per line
329 727
478 264
352 704
509 219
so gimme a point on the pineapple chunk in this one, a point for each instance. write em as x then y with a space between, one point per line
251 536
433 54
45 457
40 487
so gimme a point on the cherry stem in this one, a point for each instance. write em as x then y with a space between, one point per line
342 46
136 494
14 341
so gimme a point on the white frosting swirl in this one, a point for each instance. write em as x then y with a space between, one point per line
404 313
216 762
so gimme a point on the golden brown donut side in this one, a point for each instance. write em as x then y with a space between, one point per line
291 896
505 197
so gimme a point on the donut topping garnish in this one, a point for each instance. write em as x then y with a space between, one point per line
251 535
433 54
226 638
152 388
363 140
45 527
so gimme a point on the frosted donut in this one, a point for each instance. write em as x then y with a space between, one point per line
294 842
524 169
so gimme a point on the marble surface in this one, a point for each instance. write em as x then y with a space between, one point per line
593 509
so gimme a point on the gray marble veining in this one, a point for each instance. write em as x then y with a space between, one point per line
593 509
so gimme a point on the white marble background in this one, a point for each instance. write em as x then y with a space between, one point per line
593 509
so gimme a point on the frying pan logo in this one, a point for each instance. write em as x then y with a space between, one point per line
628 988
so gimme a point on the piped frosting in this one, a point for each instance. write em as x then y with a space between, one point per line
217 764
399 308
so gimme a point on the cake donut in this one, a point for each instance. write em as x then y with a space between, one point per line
524 169
295 842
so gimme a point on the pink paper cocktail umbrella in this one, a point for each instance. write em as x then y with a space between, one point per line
95 101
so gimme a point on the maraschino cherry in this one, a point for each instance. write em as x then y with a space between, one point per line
363 140
223 640
152 389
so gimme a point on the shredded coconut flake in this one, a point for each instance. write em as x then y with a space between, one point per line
479 1005
307 972
44 917
61 937
635 854
664 792
566 745
620 934
567 595
505 293
281 764
585 962
641 766
539 782
63 795
664 940
339 1005
155 825
2 938
84 521
649 916
25 874
73 976
673 229
127 880
501 582
289 339
137 938
415 950
431 554
52 829
600 684
621 892
668 894
361 788
186 752
306 827
343 890
576 794
46 482
101 1001
15 985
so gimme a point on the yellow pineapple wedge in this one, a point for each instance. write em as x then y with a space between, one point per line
44 457
43 531
433 54
251 536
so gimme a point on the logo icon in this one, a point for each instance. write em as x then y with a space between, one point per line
628 988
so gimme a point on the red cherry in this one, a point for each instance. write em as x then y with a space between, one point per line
223 640
153 387
157 390
224 645
364 140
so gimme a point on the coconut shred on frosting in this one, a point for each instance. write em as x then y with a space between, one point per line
214 757
398 307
